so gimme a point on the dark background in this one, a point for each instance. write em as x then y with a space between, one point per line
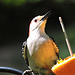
15 17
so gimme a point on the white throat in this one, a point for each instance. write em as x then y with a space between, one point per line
37 31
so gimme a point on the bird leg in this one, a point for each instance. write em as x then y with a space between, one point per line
27 72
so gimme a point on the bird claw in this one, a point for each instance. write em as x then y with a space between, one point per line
27 72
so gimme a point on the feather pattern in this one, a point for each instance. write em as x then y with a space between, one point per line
24 52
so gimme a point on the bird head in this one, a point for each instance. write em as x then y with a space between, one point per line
38 23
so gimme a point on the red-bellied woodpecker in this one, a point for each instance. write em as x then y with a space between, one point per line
39 50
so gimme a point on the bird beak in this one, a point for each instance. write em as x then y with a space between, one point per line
46 16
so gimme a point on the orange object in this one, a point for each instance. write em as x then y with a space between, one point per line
65 67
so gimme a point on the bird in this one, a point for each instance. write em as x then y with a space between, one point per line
39 50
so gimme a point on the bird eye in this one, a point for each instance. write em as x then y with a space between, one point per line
35 20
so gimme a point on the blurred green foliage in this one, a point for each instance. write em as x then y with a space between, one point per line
17 2
59 0
64 1
20 2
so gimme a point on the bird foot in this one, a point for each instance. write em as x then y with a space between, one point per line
27 72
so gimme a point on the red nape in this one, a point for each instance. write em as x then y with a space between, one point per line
29 32
29 28
30 22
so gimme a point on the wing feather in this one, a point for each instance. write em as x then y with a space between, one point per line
24 52
55 47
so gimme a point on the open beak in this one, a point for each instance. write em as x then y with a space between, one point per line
46 16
